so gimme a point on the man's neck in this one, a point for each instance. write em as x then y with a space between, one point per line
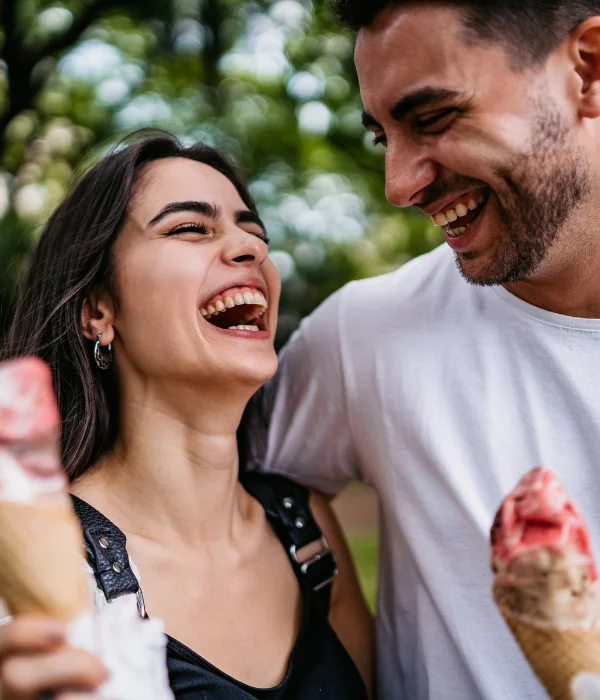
570 289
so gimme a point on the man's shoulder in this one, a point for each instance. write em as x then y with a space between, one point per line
413 292
417 284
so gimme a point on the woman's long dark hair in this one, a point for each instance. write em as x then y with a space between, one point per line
72 255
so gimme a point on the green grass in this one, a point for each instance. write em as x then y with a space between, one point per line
364 551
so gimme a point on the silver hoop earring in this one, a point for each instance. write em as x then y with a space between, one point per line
103 356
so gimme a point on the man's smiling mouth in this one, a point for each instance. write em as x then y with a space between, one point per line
238 308
456 218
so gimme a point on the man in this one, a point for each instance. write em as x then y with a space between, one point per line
442 383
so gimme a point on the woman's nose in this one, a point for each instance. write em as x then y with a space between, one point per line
244 248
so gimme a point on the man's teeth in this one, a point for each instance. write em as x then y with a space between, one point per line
447 217
243 328
456 232
255 298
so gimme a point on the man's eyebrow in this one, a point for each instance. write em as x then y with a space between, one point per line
205 208
369 121
249 217
421 98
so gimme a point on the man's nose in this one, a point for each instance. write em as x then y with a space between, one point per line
407 175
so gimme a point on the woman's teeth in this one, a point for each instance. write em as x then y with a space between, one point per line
240 298
243 328
451 215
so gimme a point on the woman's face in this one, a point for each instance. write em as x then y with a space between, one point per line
198 294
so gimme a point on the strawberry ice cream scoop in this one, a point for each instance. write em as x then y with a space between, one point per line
542 557
537 516
27 405
29 432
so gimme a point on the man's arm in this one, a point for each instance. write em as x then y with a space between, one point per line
348 614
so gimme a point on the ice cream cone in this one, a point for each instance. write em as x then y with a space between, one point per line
41 549
556 656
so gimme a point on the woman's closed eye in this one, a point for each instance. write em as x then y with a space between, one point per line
203 230
263 236
188 228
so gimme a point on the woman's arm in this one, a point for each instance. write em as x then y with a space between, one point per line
349 614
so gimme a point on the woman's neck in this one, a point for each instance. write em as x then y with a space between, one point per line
169 479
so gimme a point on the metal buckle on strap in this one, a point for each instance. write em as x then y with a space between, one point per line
141 606
311 559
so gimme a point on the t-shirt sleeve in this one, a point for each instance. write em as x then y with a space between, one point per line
298 423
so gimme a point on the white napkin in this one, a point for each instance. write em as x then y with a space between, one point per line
131 647
586 686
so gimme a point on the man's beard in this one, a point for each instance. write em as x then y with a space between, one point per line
541 192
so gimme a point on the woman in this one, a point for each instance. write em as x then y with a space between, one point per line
153 300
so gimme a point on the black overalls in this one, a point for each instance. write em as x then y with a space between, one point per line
319 667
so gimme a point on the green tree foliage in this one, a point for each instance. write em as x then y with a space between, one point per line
271 81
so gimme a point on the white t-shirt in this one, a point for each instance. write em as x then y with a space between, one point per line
441 395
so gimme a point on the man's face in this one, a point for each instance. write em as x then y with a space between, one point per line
487 151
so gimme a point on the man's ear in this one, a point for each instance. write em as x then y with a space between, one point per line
585 43
98 315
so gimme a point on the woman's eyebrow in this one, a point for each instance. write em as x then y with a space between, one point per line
249 217
204 208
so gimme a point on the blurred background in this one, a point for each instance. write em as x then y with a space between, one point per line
270 81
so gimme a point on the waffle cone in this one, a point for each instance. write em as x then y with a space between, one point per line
556 656
40 560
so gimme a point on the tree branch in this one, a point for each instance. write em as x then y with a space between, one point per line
57 43
14 69
20 63
7 18
213 49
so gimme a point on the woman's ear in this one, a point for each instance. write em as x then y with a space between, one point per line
586 45
97 315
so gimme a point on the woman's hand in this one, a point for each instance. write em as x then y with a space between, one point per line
34 659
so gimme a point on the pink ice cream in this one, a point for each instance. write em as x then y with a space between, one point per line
29 431
27 406
541 555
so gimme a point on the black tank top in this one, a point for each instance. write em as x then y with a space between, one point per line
319 667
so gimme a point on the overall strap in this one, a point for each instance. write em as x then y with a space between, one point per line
106 552
287 507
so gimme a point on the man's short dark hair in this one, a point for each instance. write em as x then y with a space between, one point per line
530 29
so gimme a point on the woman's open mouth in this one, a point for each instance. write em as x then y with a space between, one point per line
237 309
